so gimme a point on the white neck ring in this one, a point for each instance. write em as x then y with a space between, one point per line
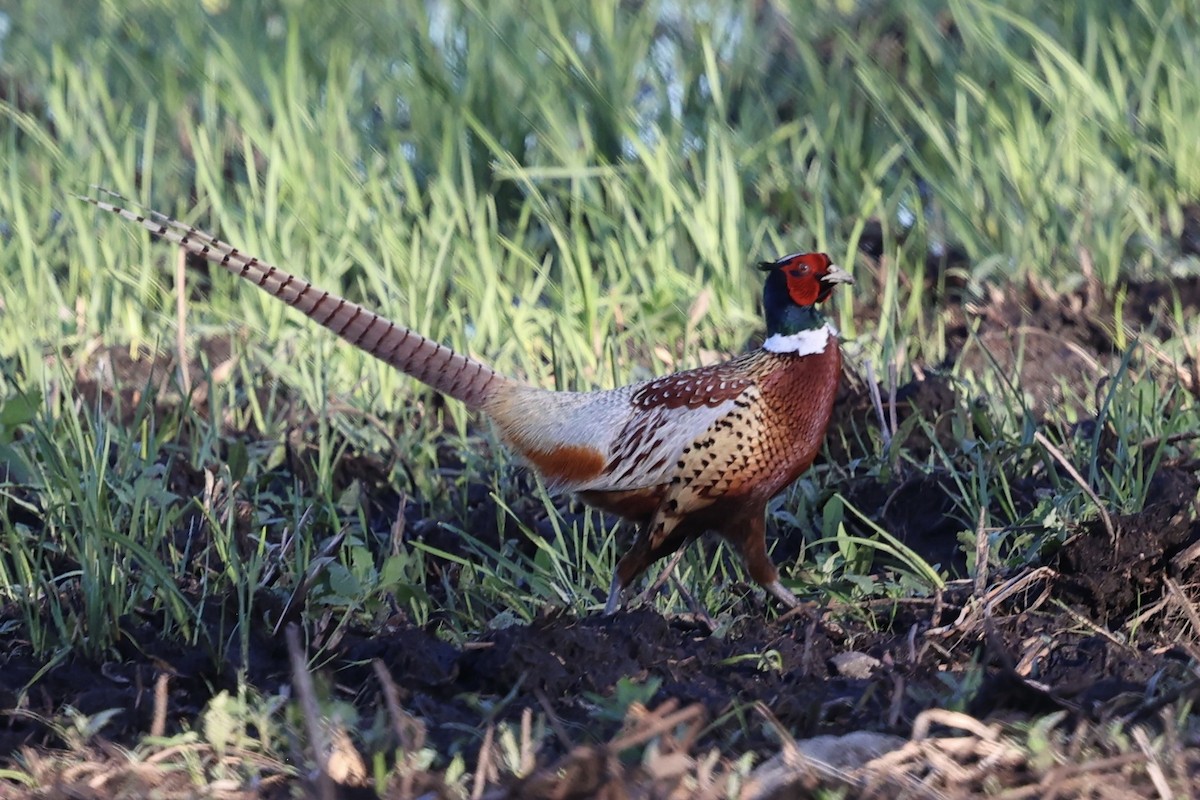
804 343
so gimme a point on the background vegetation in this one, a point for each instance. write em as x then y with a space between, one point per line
576 193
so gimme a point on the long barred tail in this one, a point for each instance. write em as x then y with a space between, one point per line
438 366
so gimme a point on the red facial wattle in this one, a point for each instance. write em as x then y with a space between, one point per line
803 275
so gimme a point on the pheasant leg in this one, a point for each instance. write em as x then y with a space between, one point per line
615 589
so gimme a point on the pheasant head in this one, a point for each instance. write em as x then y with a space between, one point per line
795 285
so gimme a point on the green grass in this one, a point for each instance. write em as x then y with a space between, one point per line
575 195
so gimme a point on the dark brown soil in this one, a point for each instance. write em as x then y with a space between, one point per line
1097 627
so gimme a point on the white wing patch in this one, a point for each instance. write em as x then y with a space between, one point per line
640 446
647 451
638 432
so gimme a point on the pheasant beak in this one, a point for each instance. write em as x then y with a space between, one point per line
835 275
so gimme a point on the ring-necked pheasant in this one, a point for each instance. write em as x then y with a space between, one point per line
690 452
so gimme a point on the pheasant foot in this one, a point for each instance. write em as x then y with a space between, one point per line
782 594
699 612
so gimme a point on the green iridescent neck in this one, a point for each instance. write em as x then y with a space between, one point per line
783 316
796 319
